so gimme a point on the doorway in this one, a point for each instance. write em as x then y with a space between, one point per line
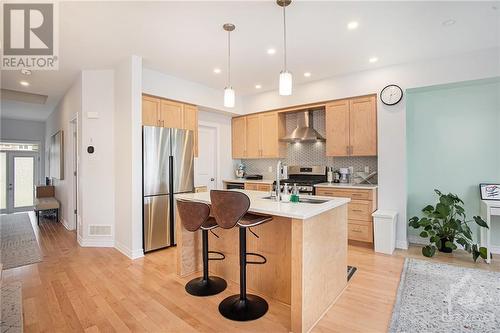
206 165
19 168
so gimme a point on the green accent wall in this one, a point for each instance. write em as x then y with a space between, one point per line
453 144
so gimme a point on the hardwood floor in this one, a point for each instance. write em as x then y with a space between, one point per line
79 289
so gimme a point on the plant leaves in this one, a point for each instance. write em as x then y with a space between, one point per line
442 210
428 209
428 251
475 255
448 244
424 234
483 252
480 222
438 192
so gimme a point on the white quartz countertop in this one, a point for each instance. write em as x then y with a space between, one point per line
253 181
295 210
347 186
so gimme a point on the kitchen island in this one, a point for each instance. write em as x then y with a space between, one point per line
306 249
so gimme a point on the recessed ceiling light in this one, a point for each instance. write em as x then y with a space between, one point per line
352 25
307 74
449 22
373 59
217 70
258 86
25 71
271 51
24 83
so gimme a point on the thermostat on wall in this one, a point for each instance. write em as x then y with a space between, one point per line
92 115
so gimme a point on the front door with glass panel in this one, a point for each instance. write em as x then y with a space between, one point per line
18 171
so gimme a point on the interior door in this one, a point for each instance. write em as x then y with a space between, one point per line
205 165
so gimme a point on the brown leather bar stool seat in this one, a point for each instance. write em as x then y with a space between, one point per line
230 209
195 216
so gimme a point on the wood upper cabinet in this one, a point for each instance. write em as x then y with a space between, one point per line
165 113
351 127
150 111
271 129
190 122
337 128
253 137
257 135
239 136
363 126
171 114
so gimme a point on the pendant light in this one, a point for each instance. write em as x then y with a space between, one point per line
229 96
285 85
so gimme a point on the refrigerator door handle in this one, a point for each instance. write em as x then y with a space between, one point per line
172 200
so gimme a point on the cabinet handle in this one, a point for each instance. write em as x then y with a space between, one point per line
356 230
357 210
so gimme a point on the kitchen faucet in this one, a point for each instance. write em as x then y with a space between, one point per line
278 177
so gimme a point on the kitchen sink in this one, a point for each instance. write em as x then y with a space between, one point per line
303 200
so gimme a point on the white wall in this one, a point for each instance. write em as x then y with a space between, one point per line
96 170
163 85
391 120
15 130
223 122
68 108
128 157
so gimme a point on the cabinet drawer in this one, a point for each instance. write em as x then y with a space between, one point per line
360 210
354 194
359 232
251 187
264 187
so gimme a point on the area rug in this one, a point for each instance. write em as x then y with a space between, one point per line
18 243
11 307
441 298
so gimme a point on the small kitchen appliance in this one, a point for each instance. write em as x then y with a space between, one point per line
344 175
305 177
240 171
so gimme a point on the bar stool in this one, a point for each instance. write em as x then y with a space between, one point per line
195 216
230 208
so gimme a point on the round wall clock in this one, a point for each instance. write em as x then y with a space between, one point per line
391 95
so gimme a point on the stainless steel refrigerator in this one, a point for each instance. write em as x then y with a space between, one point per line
168 159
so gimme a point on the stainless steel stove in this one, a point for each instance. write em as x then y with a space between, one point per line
305 177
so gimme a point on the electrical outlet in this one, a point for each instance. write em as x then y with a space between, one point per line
367 169
270 169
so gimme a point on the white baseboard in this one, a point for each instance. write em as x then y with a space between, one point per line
495 249
65 224
401 244
132 254
95 242
415 239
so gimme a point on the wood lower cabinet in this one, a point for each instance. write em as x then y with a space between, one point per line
258 187
171 114
359 210
257 135
351 127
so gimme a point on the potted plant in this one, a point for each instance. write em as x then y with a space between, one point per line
445 224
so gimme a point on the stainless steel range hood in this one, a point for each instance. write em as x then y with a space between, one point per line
304 132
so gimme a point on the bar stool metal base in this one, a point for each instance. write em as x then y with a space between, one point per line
250 308
200 287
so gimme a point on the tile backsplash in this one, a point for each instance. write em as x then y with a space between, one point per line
308 153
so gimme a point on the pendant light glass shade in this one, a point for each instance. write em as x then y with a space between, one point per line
229 97
285 83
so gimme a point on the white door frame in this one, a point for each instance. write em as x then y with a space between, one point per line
218 180
75 179
10 156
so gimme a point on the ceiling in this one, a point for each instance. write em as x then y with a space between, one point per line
185 39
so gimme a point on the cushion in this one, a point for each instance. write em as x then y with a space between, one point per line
46 203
